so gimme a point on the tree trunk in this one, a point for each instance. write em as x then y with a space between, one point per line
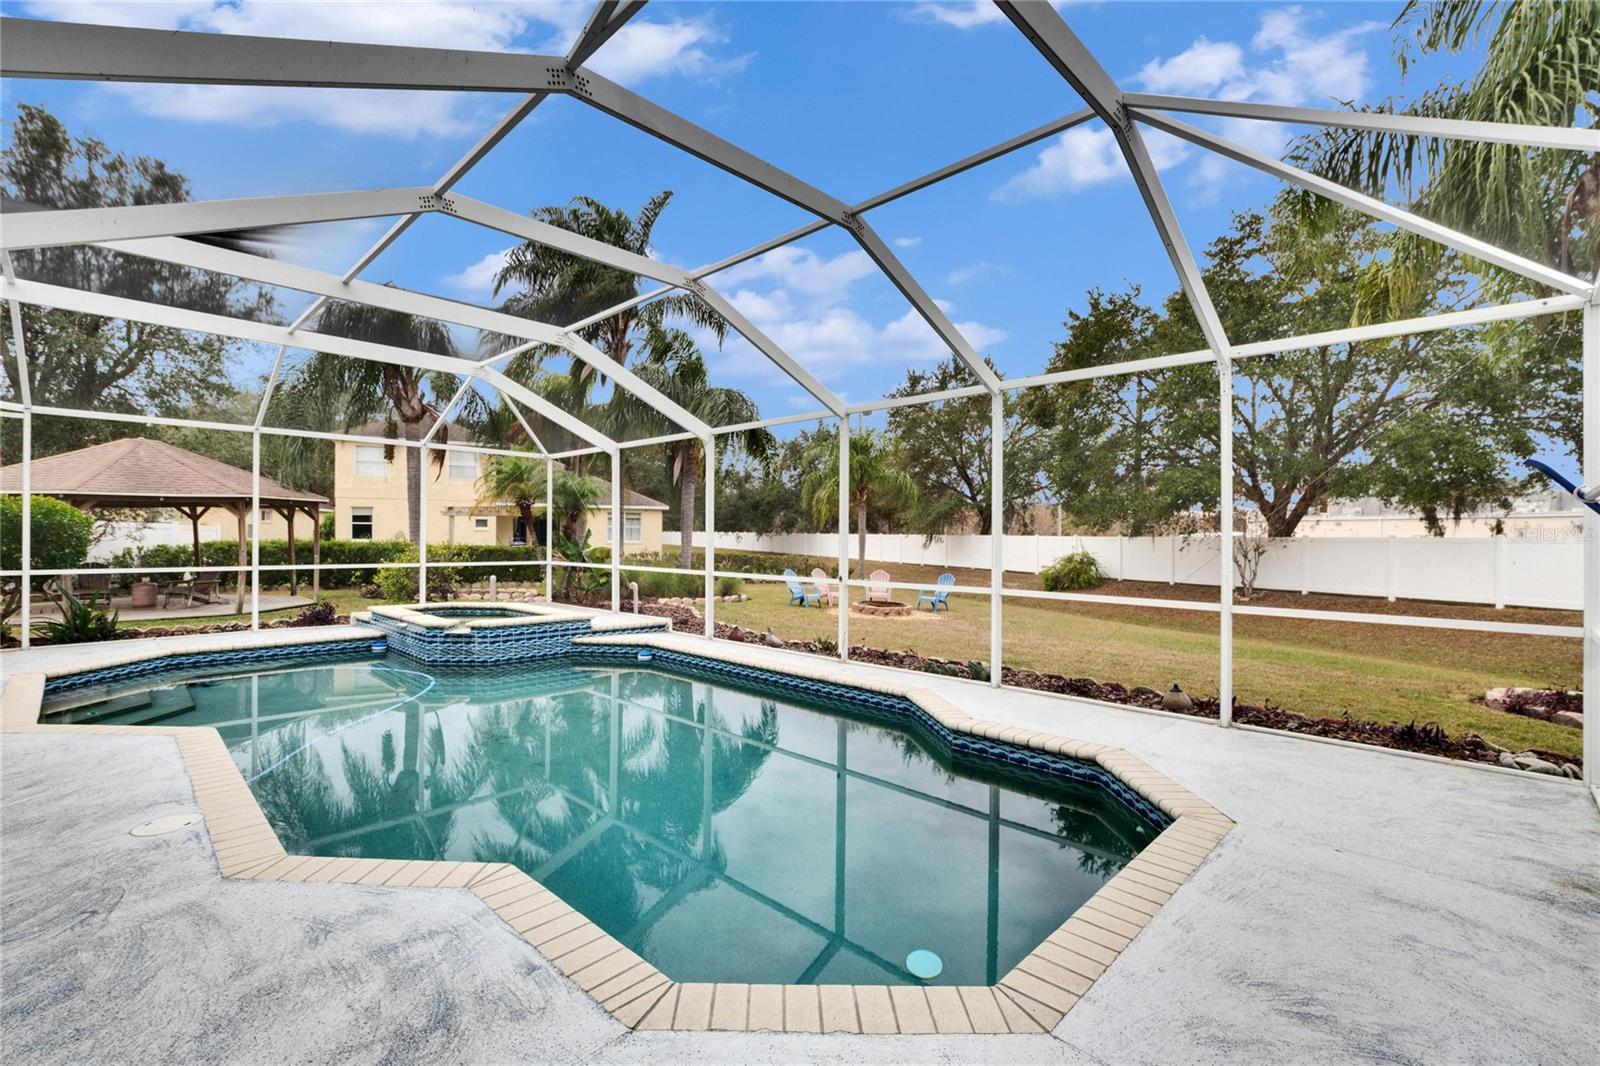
688 483
861 537
294 575
414 471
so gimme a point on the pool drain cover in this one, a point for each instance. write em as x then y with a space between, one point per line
169 824
924 964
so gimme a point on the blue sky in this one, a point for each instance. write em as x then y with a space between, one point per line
852 97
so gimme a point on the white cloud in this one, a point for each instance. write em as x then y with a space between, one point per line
803 301
907 242
641 50
476 281
1081 157
803 270
982 268
1200 68
966 14
1286 62
962 14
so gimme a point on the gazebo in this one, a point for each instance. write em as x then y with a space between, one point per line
143 473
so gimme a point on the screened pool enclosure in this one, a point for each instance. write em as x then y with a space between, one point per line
49 50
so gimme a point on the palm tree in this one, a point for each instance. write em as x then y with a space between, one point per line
674 366
521 483
876 479
403 395
559 287
514 480
550 285
1541 67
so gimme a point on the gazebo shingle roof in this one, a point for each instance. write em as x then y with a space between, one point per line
137 470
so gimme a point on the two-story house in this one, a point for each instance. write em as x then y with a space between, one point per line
369 494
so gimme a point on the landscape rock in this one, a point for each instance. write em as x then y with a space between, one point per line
1571 718
1572 771
1534 764
1176 700
1508 760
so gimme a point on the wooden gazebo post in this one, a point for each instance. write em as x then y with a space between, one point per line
294 575
316 552
238 602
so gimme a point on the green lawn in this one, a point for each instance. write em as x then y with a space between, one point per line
1386 673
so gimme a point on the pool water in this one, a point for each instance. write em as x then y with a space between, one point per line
723 833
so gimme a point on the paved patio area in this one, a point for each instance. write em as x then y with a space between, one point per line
127 612
1367 907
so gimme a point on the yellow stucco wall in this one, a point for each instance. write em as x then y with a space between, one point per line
447 489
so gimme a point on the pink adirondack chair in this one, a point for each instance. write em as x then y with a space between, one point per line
824 586
878 585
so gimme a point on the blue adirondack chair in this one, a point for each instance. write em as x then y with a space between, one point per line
939 597
798 593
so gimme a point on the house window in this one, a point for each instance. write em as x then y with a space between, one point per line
360 523
633 528
463 466
480 523
371 463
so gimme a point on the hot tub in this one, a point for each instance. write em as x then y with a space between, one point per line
464 633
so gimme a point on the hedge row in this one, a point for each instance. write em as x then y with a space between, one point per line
225 553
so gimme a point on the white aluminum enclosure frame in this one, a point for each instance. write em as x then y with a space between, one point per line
61 50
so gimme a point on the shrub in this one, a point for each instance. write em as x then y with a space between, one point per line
61 538
655 586
1076 570
321 613
80 623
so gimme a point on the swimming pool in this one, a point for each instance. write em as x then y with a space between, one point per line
725 831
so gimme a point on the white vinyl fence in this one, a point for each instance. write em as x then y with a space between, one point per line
1502 571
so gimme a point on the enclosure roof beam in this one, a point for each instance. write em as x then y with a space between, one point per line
92 303
605 20
1039 22
1378 121
528 398
1476 316
389 297
1370 205
41 229
39 48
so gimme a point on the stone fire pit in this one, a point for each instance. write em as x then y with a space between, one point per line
881 608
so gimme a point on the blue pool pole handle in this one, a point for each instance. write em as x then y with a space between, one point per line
1561 479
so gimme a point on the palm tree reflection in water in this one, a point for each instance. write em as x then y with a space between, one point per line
608 785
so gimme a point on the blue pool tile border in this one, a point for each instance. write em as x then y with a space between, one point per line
897 710
331 649
492 645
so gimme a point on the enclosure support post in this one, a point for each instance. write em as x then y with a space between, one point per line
844 536
1591 544
616 529
422 522
997 531
549 530
27 523
255 529
710 447
1225 527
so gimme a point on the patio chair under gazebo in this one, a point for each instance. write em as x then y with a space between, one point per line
137 472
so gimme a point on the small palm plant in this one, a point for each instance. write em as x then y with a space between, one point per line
877 481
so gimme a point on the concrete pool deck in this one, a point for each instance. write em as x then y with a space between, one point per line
1366 906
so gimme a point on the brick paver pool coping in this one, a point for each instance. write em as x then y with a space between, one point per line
1032 998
